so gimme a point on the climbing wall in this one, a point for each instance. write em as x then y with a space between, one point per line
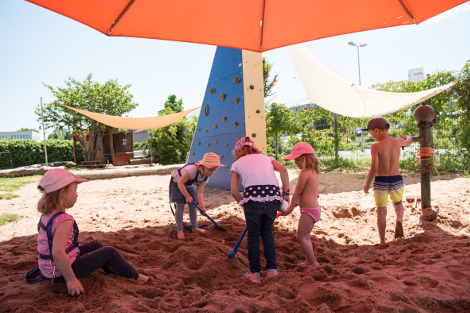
233 107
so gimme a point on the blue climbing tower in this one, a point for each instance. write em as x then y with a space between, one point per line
233 107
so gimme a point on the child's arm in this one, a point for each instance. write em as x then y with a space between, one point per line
406 140
200 200
234 187
182 187
373 168
62 260
284 176
301 182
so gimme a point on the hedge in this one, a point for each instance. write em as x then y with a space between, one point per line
27 152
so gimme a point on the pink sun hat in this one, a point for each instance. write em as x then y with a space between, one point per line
299 149
58 178
210 160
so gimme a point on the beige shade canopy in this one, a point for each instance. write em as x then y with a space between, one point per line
134 122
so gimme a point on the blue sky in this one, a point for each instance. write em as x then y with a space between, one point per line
39 46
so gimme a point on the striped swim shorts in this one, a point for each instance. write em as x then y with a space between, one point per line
388 185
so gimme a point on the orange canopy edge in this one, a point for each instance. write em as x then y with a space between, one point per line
256 25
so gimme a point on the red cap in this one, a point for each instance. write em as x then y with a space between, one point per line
58 178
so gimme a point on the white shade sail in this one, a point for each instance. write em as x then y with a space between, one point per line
329 90
134 122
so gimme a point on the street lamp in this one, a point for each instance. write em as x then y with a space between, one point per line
359 66
358 62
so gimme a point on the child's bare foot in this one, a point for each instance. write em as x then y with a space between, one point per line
308 264
399 230
197 229
180 234
142 278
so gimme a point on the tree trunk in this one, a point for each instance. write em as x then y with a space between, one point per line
277 146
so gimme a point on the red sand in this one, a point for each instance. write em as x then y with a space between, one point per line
427 271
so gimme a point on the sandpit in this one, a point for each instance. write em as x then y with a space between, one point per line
427 271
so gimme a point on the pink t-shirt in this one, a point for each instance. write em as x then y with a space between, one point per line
43 246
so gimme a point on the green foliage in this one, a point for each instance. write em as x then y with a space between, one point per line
268 84
172 143
60 134
7 217
109 98
28 152
27 129
462 94
8 196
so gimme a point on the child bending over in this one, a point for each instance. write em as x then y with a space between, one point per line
182 190
260 200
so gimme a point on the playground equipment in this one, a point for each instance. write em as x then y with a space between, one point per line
426 117
11 161
233 107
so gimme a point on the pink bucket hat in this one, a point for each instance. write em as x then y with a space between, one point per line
242 142
58 178
210 160
299 149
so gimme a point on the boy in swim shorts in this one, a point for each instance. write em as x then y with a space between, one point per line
385 171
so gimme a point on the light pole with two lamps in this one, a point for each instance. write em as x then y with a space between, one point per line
359 66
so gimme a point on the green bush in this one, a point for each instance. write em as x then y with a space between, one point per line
28 152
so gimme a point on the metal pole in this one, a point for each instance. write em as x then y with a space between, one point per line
359 65
151 149
44 133
335 117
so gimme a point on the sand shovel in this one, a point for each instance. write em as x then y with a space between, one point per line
205 214
235 249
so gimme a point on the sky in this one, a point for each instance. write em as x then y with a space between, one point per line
39 46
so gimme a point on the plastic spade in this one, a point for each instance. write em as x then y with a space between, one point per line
205 214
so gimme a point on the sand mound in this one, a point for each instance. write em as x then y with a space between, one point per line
427 271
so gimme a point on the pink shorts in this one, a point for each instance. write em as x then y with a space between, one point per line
314 213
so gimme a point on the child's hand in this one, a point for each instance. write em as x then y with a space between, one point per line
366 188
203 209
189 200
287 198
74 287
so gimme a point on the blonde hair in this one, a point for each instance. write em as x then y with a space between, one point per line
245 150
52 200
311 162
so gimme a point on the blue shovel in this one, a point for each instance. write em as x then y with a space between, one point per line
235 249
205 214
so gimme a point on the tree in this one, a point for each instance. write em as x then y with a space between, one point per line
61 134
27 129
172 143
277 122
268 85
109 98
462 92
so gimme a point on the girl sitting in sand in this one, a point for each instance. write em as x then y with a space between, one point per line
305 194
182 190
58 248
260 200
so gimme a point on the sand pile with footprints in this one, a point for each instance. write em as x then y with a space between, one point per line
427 271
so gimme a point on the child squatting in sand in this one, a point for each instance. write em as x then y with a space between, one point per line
305 194
385 171
59 253
182 190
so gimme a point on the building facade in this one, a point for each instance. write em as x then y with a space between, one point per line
27 135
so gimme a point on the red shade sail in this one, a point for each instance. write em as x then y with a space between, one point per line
256 25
